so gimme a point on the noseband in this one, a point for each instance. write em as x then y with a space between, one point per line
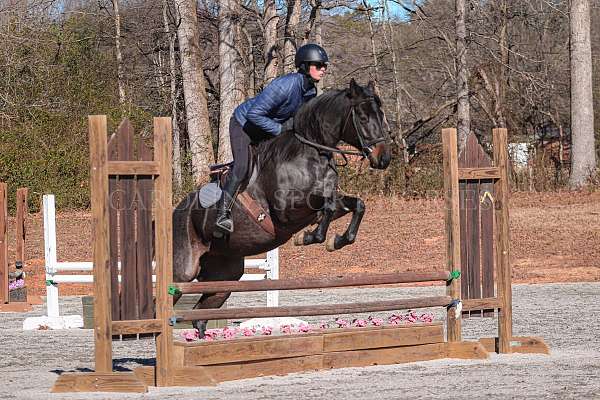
366 147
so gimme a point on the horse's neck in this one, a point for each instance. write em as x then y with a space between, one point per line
331 124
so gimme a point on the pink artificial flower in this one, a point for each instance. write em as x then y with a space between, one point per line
342 323
19 283
426 317
189 336
211 334
304 328
395 319
229 333
248 331
266 330
361 323
376 321
285 329
323 325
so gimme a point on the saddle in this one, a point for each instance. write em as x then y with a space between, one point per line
211 192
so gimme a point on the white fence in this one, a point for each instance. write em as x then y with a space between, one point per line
270 265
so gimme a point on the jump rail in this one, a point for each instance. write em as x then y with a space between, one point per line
320 309
308 283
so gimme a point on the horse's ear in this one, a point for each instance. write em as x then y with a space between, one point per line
354 90
371 85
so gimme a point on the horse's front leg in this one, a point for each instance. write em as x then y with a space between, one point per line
346 204
320 233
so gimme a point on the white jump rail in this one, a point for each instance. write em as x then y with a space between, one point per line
270 265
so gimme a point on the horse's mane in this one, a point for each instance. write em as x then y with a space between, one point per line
307 123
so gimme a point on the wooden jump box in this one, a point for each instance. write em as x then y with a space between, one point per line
209 363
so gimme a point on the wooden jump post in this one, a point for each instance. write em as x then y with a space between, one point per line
6 303
119 185
477 230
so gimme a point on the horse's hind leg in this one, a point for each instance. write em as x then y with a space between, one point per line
216 268
345 205
187 245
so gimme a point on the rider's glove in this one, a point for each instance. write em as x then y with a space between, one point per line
288 125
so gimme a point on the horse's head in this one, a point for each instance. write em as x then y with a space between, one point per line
365 127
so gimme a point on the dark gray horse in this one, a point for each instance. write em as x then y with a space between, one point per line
294 178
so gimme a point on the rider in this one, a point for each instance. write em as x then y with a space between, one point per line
265 116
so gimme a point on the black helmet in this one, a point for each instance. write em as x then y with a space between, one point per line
310 53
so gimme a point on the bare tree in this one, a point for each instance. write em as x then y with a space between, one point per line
375 68
294 9
194 89
172 37
231 87
462 75
396 88
119 55
583 156
313 28
270 20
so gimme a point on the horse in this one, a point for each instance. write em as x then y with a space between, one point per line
294 178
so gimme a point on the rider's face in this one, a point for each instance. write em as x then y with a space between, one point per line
317 71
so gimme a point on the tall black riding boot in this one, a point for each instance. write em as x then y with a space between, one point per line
224 222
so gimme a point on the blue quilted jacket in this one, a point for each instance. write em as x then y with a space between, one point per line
278 102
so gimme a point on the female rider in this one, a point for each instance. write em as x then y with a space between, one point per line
266 116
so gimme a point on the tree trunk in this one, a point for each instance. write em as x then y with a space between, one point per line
120 75
231 91
194 90
462 76
314 31
313 21
250 64
375 68
271 19
390 42
504 61
583 156
172 37
294 8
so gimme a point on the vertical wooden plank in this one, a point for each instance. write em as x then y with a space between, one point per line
144 237
129 290
99 200
486 195
21 228
164 250
504 268
115 204
464 243
4 296
450 151
474 155
473 259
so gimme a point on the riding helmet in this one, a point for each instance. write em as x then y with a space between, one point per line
310 53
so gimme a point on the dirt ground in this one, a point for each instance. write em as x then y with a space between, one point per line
555 237
564 315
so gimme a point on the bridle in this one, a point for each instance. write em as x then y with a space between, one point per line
366 148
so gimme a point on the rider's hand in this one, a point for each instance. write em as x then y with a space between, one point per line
288 125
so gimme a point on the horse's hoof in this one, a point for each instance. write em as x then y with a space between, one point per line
299 239
330 245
